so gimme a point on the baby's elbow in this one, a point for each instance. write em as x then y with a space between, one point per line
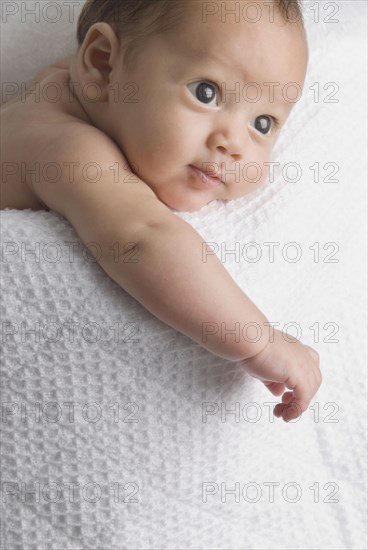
124 242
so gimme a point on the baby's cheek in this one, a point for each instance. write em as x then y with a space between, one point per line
255 169
254 172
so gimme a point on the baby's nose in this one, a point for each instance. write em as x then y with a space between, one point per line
226 151
230 138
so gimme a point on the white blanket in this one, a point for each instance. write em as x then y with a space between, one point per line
131 443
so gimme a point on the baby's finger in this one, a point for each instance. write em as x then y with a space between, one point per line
288 411
277 388
286 403
301 397
278 409
287 396
292 403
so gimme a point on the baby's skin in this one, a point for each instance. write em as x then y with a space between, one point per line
151 132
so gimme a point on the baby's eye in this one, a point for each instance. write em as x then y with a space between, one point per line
263 124
203 91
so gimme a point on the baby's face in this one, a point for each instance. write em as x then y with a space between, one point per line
203 95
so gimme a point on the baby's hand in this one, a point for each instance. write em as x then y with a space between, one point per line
292 365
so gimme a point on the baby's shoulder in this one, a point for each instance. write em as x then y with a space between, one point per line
58 157
96 190
89 173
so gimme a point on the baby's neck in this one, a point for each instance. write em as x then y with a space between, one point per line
94 113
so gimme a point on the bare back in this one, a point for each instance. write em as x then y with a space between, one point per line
45 146
29 122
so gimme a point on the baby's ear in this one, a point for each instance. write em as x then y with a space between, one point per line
98 53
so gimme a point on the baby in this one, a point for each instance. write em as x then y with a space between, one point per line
162 107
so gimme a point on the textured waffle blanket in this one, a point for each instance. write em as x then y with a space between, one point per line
119 432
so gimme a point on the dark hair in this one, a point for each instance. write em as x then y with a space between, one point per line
139 19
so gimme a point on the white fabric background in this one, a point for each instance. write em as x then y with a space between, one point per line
171 452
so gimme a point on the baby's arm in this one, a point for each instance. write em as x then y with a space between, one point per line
166 273
158 258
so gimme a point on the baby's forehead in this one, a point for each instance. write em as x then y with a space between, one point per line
225 12
214 27
244 52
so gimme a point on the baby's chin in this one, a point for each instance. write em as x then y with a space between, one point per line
191 203
187 199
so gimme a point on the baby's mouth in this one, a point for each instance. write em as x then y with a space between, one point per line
204 180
